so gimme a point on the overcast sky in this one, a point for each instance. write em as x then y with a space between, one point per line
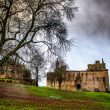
91 32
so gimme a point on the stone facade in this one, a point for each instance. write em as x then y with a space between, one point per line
12 70
95 78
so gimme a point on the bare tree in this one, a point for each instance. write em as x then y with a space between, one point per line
37 67
40 22
59 68
36 62
58 76
27 75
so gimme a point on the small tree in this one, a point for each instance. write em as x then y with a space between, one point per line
27 75
37 62
59 72
58 76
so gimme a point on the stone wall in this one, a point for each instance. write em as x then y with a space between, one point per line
91 80
12 71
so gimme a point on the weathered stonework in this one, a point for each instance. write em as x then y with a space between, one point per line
95 78
12 70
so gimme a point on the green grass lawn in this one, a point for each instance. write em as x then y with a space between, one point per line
97 99
69 95
72 100
13 104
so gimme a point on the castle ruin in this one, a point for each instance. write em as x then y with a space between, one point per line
95 78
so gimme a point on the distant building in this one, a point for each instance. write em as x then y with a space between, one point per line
13 70
95 78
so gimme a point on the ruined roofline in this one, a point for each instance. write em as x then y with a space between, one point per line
76 70
97 70
85 70
98 62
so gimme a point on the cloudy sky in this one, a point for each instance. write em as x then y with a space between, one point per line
91 32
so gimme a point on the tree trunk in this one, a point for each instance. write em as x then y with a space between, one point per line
60 84
37 76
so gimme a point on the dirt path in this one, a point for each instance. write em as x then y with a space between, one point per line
8 90
15 90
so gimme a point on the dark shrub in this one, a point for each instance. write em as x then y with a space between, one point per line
9 81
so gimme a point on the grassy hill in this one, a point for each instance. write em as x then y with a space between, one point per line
97 99
26 97
69 95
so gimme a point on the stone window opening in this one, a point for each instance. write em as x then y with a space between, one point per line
78 86
82 74
97 78
103 78
104 81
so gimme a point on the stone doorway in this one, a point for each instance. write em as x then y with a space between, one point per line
78 86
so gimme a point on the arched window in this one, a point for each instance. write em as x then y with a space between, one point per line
97 78
103 78
81 74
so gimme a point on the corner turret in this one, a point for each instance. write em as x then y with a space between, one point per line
57 63
97 66
103 61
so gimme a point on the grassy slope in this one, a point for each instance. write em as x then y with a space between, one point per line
81 100
100 98
48 92
13 104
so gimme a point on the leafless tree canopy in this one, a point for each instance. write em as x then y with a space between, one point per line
36 22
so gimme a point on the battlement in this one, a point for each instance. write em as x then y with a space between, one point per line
97 66
97 62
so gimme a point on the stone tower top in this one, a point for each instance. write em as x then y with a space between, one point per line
57 63
97 66
102 61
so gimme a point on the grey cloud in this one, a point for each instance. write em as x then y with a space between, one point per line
96 17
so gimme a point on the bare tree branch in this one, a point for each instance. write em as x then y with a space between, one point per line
25 22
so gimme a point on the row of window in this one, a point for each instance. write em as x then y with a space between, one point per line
92 79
